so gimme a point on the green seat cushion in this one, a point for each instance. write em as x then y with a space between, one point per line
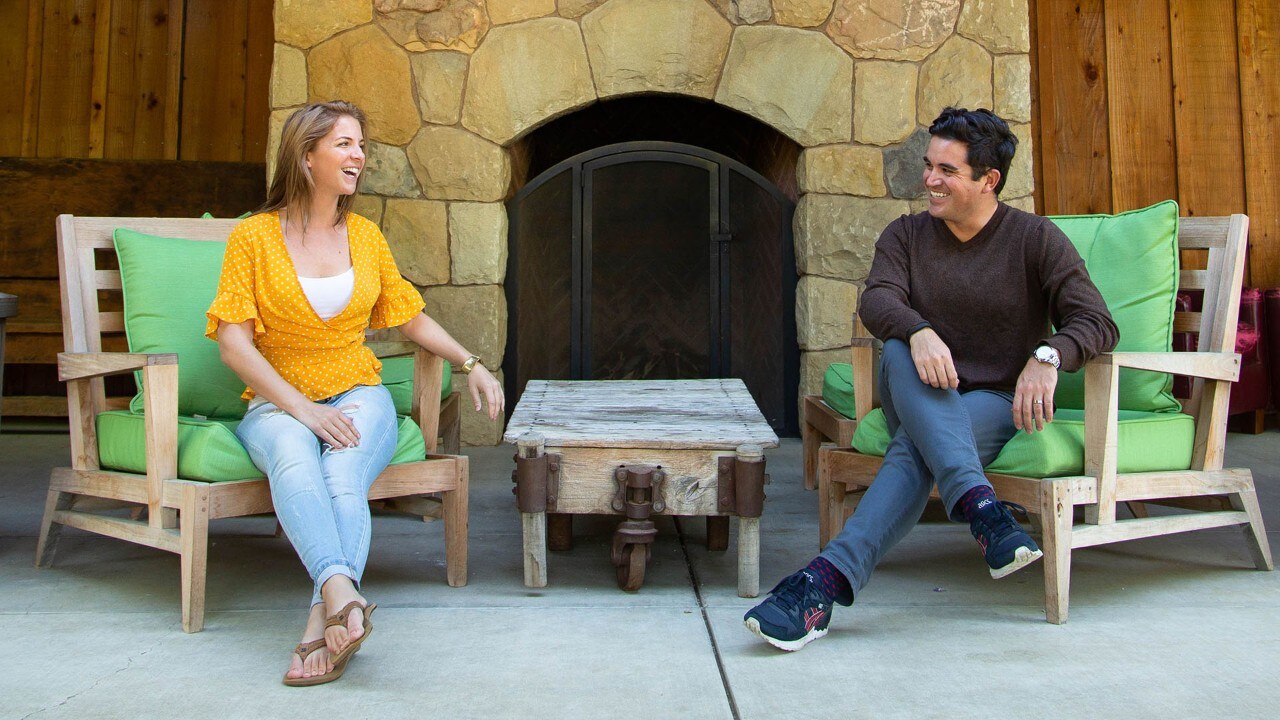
1133 259
1147 441
837 388
208 449
168 284
397 377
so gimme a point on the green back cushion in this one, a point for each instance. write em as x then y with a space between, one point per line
397 376
837 388
1148 441
1133 259
168 285
208 449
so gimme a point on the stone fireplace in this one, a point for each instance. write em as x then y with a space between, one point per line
825 99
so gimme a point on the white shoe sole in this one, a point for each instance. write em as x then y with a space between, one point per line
789 645
1022 557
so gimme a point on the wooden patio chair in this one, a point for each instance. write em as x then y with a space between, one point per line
1203 492
90 494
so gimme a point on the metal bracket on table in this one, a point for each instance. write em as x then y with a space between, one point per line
740 486
537 482
639 495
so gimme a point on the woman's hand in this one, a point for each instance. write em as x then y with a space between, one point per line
330 424
482 383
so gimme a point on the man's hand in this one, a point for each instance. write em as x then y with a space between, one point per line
933 360
1033 398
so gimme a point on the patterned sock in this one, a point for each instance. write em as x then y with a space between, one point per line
972 501
831 581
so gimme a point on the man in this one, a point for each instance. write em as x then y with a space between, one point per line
963 297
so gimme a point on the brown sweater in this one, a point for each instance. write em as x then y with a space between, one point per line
991 299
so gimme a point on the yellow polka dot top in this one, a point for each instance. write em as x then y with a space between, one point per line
320 358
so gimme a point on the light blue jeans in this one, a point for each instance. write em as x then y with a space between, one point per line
941 436
321 494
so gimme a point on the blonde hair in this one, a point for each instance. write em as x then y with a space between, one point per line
292 186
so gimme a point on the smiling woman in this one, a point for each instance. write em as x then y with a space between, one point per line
302 279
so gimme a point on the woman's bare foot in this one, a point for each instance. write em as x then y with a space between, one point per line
319 661
338 592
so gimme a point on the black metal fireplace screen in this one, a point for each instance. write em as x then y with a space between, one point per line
654 260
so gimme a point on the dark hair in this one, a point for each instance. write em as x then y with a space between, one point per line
991 144
292 185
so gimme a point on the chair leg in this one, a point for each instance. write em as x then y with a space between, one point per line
1254 533
812 440
831 494
455 527
49 530
194 540
451 425
1056 515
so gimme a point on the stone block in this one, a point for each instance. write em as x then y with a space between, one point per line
1021 175
813 365
1000 26
524 75
884 109
475 315
418 233
903 168
478 242
1013 88
365 67
667 46
824 312
439 77
459 25
892 29
802 13
502 12
1026 203
761 78
387 172
750 12
275 125
288 77
577 8
836 235
957 75
453 164
841 170
304 23
368 206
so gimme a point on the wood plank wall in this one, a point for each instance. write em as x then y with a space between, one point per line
128 107
137 79
1136 101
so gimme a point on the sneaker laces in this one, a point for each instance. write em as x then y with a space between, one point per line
1004 522
791 589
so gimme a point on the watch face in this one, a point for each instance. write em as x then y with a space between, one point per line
1046 354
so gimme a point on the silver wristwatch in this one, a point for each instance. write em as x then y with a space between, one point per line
1046 354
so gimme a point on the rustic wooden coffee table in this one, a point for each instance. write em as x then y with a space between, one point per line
639 448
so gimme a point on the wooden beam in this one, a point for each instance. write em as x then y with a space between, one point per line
1140 104
1259 45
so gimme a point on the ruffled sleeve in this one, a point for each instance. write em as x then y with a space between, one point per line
235 301
399 302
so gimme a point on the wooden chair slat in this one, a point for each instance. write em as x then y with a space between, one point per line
1192 279
1186 322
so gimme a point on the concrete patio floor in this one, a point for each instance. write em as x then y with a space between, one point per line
1178 626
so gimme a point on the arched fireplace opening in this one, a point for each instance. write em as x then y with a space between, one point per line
650 238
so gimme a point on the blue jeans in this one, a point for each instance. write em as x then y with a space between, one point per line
321 494
941 436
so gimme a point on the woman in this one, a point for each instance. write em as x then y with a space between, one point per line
301 281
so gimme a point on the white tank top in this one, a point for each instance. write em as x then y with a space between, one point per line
329 295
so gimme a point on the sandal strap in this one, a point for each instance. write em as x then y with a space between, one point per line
340 618
305 649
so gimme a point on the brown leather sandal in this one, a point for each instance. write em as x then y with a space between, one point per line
302 651
339 619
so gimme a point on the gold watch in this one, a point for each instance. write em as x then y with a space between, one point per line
470 364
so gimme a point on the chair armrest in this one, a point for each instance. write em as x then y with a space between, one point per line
86 365
1210 365
428 378
862 357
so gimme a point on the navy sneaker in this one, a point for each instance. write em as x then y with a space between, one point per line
1005 545
795 614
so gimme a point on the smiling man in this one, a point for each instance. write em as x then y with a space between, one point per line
979 305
